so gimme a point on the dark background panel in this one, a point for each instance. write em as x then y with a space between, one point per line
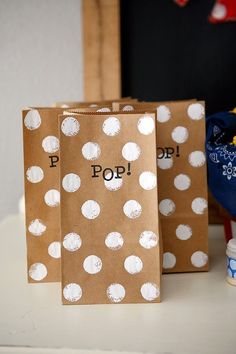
171 53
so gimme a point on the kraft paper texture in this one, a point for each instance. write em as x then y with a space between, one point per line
182 181
109 225
42 195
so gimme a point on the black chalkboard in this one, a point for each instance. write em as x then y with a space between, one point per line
171 53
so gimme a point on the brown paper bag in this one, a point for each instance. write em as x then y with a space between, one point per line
42 196
93 104
182 180
109 209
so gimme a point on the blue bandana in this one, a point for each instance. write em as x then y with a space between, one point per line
221 158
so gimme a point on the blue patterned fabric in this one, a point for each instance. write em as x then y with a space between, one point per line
221 158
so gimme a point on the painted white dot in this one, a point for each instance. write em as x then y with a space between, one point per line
132 209
114 241
52 198
232 264
163 162
167 207
199 205
90 209
148 239
64 105
32 119
50 144
219 11
180 134
111 126
197 158
104 109
133 264
72 292
70 126
38 271
128 107
71 182
114 182
131 151
147 180
91 151
146 125
163 114
92 264
183 232
169 260
34 174
54 249
196 111
199 259
93 105
37 227
115 292
150 291
72 242
182 182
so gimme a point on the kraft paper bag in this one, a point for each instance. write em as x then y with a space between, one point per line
42 195
93 104
109 208
182 181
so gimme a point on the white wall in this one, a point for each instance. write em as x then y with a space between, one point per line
40 63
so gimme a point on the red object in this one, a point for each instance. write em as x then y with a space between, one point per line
181 2
230 229
223 11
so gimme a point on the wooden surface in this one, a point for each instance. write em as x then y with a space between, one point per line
101 54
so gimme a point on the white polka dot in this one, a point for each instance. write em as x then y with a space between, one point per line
52 198
197 158
54 249
90 209
167 207
72 242
104 109
50 144
199 259
132 209
232 264
150 291
196 111
183 232
128 108
32 120
115 292
37 227
131 151
64 105
164 163
114 241
93 105
92 264
169 260
34 174
219 11
163 114
182 182
111 126
199 205
71 182
38 271
148 239
115 183
146 125
91 151
147 180
133 264
180 134
72 292
70 126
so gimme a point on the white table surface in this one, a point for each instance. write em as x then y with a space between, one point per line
197 315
